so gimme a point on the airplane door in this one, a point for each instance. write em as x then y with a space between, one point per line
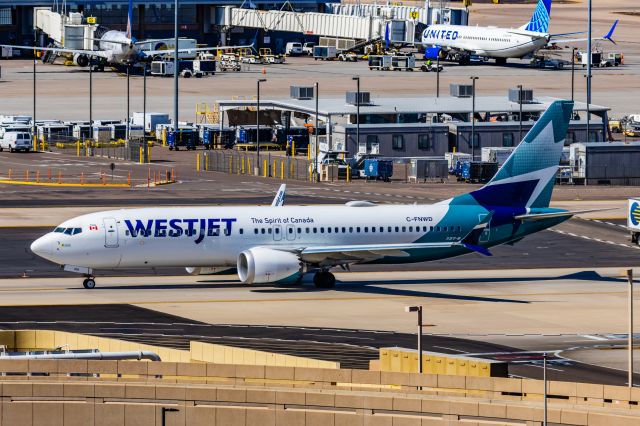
110 232
486 233
277 232
291 232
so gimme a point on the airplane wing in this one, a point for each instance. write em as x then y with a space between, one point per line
358 253
97 53
609 36
190 49
278 200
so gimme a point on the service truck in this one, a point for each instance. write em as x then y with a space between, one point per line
633 219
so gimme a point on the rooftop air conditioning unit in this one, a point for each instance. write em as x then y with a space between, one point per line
365 98
461 90
302 92
527 96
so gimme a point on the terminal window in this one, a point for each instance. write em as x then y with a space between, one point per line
424 142
397 142
5 16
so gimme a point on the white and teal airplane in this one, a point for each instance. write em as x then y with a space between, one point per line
277 243
461 41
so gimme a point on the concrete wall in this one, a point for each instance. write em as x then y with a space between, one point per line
133 393
29 340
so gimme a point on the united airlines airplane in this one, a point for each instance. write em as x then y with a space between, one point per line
461 41
278 244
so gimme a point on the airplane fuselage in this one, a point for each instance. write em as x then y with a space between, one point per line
120 49
491 42
215 236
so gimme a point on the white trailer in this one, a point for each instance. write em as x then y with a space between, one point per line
151 121
633 219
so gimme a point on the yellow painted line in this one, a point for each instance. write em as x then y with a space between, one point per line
90 185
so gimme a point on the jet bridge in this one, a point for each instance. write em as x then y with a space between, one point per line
319 24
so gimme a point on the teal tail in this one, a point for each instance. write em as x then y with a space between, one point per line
526 179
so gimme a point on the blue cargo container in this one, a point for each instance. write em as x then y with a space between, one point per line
378 169
187 138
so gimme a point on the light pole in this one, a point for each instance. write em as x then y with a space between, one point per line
589 64
144 102
357 79
630 338
520 102
473 118
315 161
257 168
544 379
90 97
35 59
175 70
417 309
573 71
128 103
438 74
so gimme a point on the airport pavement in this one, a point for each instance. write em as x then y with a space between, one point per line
614 87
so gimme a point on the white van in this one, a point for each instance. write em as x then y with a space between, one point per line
293 49
16 141
307 49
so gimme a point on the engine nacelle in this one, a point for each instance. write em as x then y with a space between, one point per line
263 265
196 270
81 60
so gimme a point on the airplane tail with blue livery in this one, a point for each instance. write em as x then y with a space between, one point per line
539 22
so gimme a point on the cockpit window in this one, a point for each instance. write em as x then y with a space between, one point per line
68 231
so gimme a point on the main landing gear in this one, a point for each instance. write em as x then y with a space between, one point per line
89 282
324 279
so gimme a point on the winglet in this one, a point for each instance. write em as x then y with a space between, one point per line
278 200
479 249
610 33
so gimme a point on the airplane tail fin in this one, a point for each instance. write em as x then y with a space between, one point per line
526 179
540 19
129 32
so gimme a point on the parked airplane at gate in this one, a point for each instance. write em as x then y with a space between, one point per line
275 244
461 41
116 48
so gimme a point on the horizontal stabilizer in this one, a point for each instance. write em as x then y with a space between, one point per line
542 216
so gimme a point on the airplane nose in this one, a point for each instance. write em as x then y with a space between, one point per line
42 246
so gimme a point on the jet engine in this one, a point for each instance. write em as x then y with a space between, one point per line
81 60
196 270
263 265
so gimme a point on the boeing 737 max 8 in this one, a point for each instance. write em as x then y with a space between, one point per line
273 244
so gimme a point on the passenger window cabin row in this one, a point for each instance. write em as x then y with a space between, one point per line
359 229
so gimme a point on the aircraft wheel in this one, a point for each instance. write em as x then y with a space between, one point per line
324 279
89 283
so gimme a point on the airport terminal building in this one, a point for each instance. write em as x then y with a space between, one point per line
151 19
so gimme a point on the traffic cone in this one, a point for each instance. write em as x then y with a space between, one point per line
264 70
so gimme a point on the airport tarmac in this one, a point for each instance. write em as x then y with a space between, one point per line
511 314
613 87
